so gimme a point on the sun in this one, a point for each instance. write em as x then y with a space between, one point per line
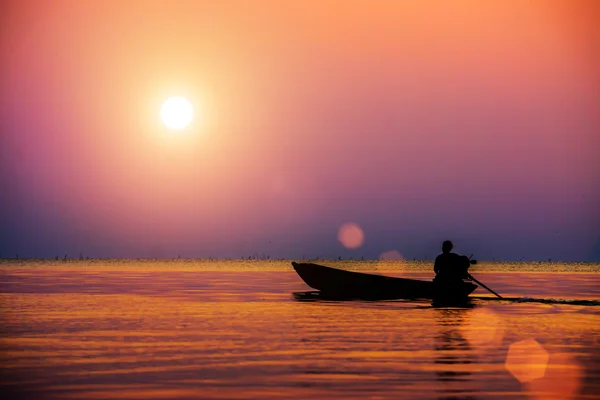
177 112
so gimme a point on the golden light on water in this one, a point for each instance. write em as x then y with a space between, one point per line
177 112
562 380
230 329
527 360
351 235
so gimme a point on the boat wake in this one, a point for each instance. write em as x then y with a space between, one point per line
560 301
543 301
311 296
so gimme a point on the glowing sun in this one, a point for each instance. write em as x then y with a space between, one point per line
177 112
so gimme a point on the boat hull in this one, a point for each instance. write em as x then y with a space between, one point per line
348 284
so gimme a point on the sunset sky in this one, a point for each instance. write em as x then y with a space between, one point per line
417 121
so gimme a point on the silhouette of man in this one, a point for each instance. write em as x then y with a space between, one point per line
450 266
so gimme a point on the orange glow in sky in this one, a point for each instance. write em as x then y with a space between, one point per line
422 119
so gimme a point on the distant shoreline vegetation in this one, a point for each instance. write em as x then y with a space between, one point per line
279 264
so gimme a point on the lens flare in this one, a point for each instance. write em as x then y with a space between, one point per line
527 360
561 381
392 255
483 329
351 235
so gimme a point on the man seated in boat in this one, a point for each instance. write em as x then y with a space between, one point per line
450 267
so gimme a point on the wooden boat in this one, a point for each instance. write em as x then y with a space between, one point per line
343 284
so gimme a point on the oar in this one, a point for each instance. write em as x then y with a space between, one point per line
485 287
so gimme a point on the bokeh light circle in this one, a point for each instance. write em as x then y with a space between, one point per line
351 235
562 380
392 255
483 329
527 360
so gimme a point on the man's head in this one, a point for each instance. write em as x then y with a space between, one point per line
447 246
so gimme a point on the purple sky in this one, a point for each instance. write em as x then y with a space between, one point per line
417 121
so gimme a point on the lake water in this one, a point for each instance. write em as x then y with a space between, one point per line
125 329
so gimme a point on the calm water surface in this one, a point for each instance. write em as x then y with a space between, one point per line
235 330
